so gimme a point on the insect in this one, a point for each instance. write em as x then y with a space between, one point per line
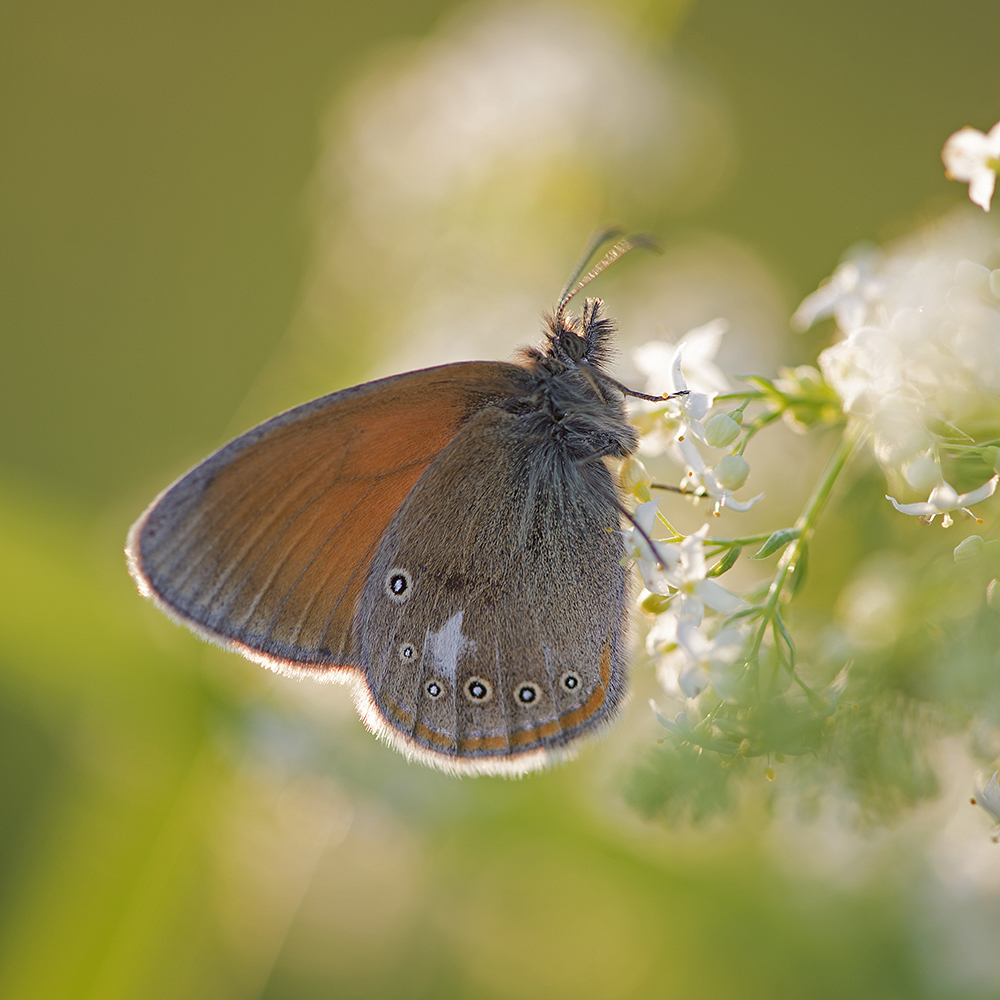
446 540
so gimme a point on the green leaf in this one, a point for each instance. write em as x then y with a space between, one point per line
778 540
726 563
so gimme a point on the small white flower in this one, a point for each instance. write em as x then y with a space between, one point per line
701 477
944 499
864 369
662 636
709 661
973 157
667 368
988 799
686 571
649 562
852 294
655 360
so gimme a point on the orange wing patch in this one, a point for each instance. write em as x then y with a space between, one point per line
265 545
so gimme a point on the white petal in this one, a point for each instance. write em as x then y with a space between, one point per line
692 640
740 505
717 597
989 797
645 515
677 383
653 577
922 509
703 341
653 360
663 632
974 496
696 404
964 153
993 141
816 306
943 497
692 456
981 188
693 680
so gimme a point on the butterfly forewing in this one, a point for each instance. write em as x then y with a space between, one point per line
265 545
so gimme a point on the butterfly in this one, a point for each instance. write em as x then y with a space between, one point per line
448 541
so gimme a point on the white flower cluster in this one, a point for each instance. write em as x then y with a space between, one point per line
920 354
677 571
676 426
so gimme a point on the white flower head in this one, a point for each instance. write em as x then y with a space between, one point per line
974 157
686 571
662 636
851 293
988 799
667 368
944 499
927 354
655 360
651 557
699 661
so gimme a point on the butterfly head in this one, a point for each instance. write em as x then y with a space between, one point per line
586 339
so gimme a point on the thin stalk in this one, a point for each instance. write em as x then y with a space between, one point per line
806 523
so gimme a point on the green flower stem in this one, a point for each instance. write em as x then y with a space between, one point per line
729 543
749 397
757 425
806 523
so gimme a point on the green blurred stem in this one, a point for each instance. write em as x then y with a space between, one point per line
806 523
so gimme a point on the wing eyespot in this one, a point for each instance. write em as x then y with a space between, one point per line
408 653
527 693
398 585
434 689
570 681
477 690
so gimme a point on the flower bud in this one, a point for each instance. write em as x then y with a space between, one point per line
732 472
654 604
969 549
635 479
721 431
923 473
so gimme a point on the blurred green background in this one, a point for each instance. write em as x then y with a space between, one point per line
175 822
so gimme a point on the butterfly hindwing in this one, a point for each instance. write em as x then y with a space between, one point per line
490 625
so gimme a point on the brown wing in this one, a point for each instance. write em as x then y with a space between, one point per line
508 642
264 546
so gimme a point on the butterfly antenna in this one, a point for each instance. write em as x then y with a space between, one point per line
595 243
620 248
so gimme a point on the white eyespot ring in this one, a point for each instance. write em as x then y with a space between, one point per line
434 689
398 584
407 652
570 681
478 690
526 693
